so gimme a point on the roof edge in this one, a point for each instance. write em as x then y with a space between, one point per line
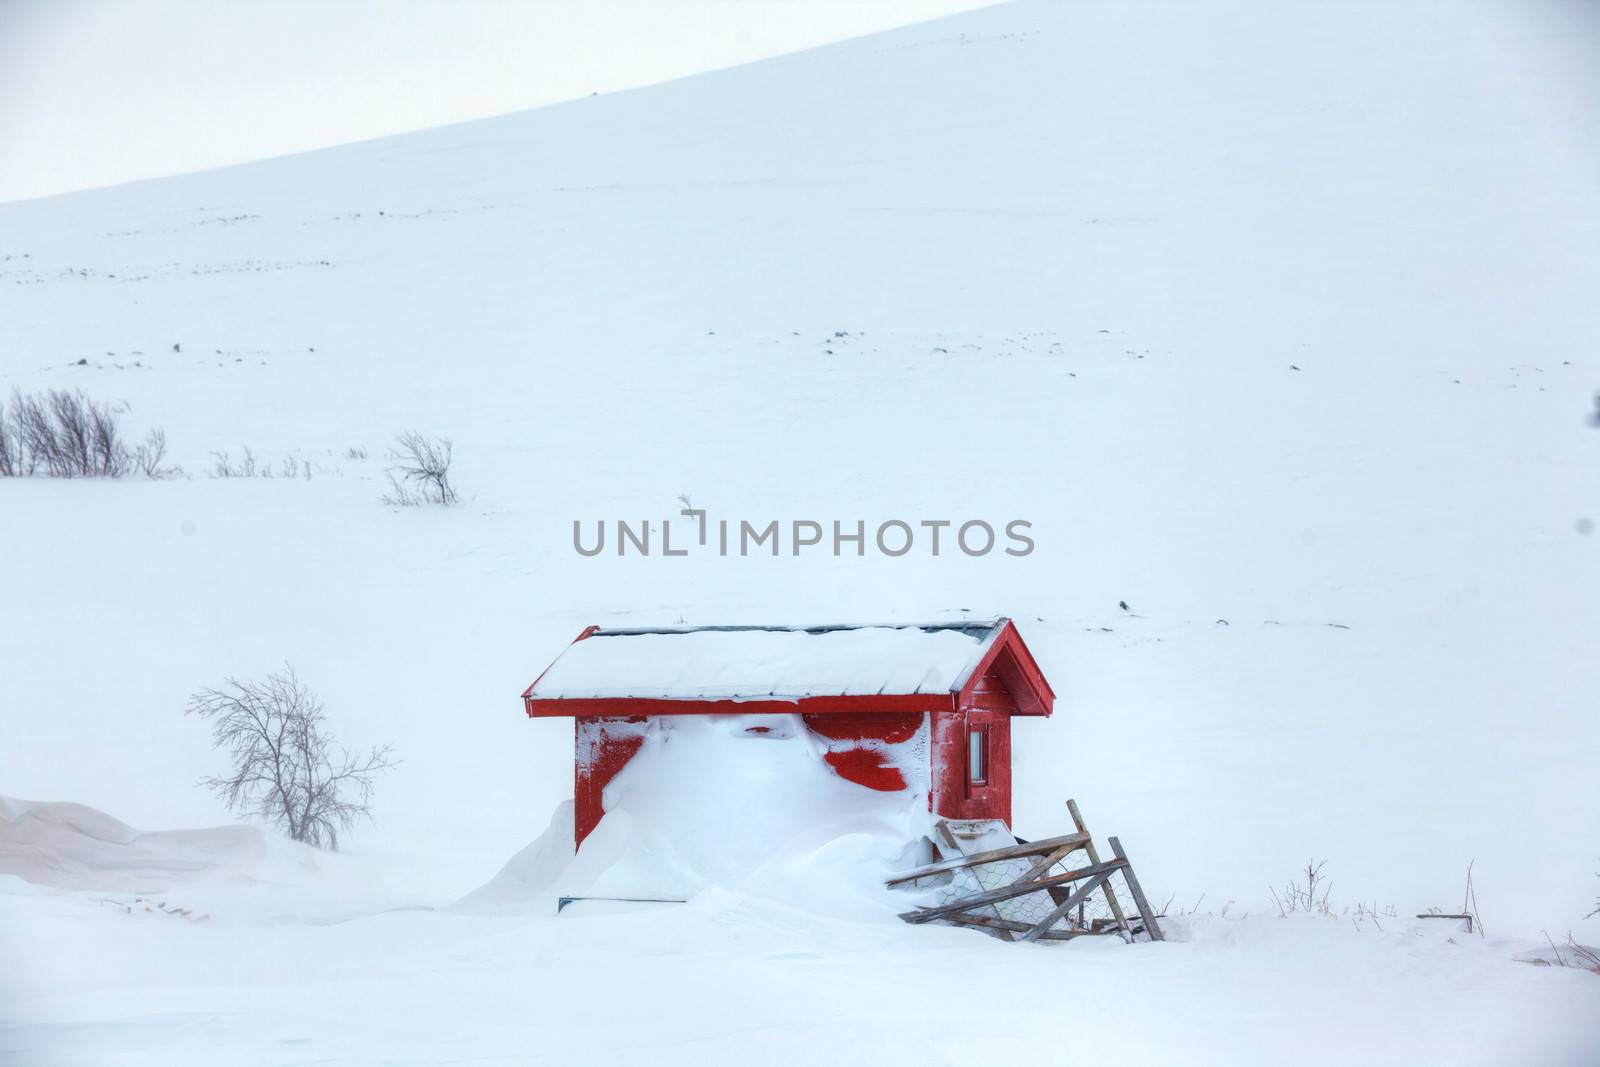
624 707
819 628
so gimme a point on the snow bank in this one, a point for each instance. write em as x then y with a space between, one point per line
708 802
528 875
73 846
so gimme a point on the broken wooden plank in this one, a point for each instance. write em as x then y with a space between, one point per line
1151 927
1094 857
990 922
1049 861
1015 889
1032 848
1064 907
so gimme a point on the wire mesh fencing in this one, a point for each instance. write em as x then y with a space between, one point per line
1093 914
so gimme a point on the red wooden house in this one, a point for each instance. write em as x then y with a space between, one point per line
942 694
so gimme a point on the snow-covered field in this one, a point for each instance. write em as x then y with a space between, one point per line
1276 322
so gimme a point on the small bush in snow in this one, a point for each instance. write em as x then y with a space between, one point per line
1572 954
148 457
285 768
420 473
10 465
224 466
66 435
1307 892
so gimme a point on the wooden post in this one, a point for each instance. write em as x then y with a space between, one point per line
1149 916
1094 858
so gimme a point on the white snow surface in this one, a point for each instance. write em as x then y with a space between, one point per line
763 664
730 801
71 846
1276 320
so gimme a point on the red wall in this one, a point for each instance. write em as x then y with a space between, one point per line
603 747
866 765
954 797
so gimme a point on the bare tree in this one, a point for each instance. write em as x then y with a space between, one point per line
421 470
285 768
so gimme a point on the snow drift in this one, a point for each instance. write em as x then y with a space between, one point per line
73 846
735 802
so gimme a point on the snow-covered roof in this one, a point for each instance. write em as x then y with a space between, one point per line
747 663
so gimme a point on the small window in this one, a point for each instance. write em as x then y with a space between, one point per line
978 755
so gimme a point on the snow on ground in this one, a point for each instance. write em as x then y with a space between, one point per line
1275 321
71 846
731 802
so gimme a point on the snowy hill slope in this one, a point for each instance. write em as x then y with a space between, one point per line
1275 322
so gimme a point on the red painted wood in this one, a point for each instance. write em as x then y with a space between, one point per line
953 796
991 694
1009 659
587 631
1006 682
948 795
614 744
890 729
878 704
866 766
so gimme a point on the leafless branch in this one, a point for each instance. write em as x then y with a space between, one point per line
420 473
8 447
286 770
1308 893
1469 901
67 435
224 465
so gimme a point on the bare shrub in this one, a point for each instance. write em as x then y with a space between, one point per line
1580 956
355 453
421 471
8 447
291 467
1307 892
150 455
224 466
285 770
1583 955
1469 902
67 435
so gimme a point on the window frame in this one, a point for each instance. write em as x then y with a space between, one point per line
980 732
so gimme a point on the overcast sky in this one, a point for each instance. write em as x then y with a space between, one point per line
95 92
